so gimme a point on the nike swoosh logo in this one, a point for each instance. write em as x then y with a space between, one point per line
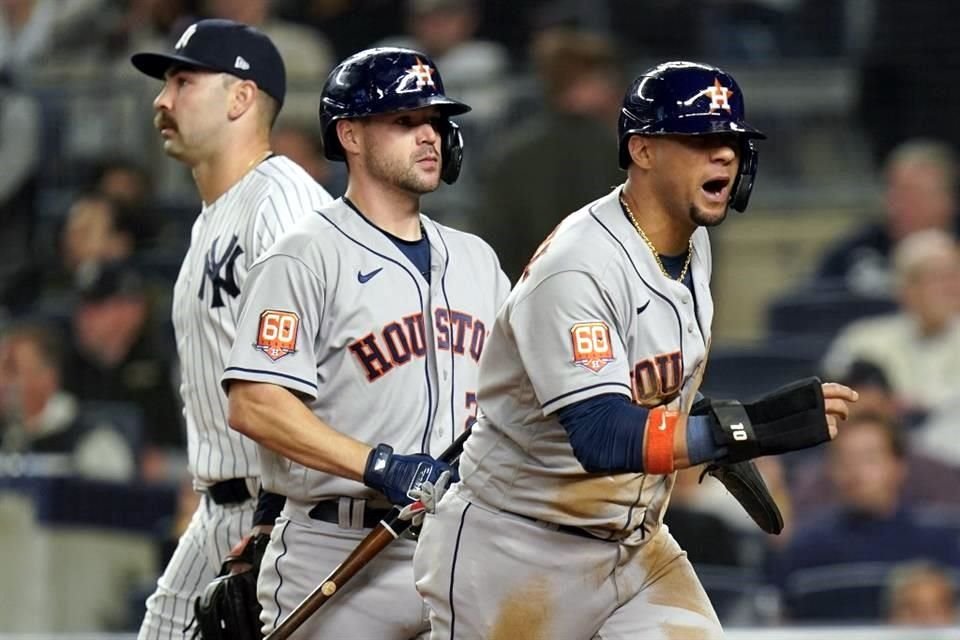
365 277
641 309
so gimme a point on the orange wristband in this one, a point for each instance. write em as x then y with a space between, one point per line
658 449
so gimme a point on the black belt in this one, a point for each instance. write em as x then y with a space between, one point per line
329 511
229 491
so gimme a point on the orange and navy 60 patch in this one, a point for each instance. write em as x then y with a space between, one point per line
591 345
277 333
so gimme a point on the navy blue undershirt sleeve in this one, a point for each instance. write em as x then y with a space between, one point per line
606 433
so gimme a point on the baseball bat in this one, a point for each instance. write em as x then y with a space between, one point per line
387 530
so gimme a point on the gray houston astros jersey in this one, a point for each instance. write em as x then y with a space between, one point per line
228 235
337 314
594 314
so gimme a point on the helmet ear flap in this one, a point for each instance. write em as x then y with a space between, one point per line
451 151
747 173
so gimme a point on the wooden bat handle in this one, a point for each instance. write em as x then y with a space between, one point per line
388 530
375 541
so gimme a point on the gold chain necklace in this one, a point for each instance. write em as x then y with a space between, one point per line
653 249
263 156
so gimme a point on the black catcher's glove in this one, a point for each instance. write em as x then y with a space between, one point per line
228 608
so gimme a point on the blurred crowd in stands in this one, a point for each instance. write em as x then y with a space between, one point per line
95 221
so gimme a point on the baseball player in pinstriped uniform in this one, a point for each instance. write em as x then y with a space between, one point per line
587 388
363 325
223 86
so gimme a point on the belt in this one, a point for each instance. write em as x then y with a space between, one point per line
348 513
229 491
562 528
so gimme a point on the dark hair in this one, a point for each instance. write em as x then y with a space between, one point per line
45 340
104 166
864 373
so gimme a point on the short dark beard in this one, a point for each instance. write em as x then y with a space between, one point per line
698 218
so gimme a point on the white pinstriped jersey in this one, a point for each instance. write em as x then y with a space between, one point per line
593 315
338 314
227 237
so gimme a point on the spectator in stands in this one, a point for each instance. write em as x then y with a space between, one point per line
558 159
921 179
872 384
307 54
38 416
918 347
938 437
835 566
475 70
930 483
921 594
94 230
127 182
115 356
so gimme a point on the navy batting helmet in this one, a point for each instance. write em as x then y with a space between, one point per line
388 80
687 98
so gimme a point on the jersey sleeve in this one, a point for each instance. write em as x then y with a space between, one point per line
279 321
569 338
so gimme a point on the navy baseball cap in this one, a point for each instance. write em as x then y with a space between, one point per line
223 46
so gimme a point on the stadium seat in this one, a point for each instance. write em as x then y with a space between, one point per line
821 312
744 373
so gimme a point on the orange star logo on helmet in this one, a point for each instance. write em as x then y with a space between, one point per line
423 73
719 96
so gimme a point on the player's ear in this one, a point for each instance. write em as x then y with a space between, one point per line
349 135
243 95
640 151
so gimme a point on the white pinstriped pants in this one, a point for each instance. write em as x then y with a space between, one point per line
213 531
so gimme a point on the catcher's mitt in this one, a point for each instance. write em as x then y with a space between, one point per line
744 482
228 608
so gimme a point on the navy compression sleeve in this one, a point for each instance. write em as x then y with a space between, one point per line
606 433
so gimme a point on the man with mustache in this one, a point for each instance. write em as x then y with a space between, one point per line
223 86
357 349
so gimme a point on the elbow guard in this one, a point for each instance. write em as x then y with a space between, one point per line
788 419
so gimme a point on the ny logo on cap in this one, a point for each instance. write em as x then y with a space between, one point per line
185 38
